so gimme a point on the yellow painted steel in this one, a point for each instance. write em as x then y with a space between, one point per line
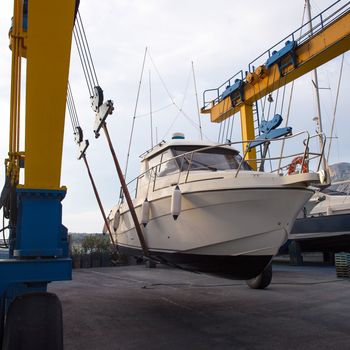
317 50
16 44
18 37
50 25
247 126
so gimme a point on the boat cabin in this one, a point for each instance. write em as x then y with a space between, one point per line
181 156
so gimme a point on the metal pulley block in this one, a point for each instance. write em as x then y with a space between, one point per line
101 116
78 135
97 98
82 148
79 139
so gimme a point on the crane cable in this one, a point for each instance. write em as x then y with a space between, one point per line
91 82
96 93
291 95
77 129
85 54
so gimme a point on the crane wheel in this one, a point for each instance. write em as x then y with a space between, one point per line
34 321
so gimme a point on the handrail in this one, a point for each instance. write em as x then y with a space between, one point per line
322 20
315 29
306 154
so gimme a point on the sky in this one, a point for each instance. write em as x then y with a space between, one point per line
220 40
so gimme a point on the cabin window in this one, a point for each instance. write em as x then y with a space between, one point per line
154 162
168 165
208 159
163 163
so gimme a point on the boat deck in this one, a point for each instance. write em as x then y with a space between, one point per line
133 307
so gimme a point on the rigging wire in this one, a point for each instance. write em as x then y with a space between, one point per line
170 95
134 116
180 108
154 111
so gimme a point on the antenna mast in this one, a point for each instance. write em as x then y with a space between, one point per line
318 118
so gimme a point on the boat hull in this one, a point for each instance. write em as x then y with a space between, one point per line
327 233
223 232
241 267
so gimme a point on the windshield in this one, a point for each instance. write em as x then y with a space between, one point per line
208 159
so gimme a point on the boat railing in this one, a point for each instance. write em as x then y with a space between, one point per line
278 163
306 156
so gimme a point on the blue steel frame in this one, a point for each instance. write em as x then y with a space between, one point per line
38 251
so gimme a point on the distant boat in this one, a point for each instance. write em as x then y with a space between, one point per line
325 222
325 226
204 209
4 253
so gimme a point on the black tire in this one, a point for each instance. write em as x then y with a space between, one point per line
263 280
34 322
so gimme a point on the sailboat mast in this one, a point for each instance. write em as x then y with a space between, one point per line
150 105
318 118
195 89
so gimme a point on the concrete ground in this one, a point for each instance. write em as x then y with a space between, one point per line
134 307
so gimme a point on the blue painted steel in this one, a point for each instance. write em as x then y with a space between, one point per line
277 56
267 126
38 245
4 253
273 134
269 131
19 277
25 16
34 271
234 89
39 231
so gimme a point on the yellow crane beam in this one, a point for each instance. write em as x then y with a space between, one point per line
331 38
48 55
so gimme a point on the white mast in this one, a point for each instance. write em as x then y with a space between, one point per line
317 119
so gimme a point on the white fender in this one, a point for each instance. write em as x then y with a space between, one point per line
145 213
329 210
176 203
116 220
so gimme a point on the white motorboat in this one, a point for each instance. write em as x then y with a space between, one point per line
204 209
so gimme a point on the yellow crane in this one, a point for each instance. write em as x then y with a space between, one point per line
329 38
41 32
